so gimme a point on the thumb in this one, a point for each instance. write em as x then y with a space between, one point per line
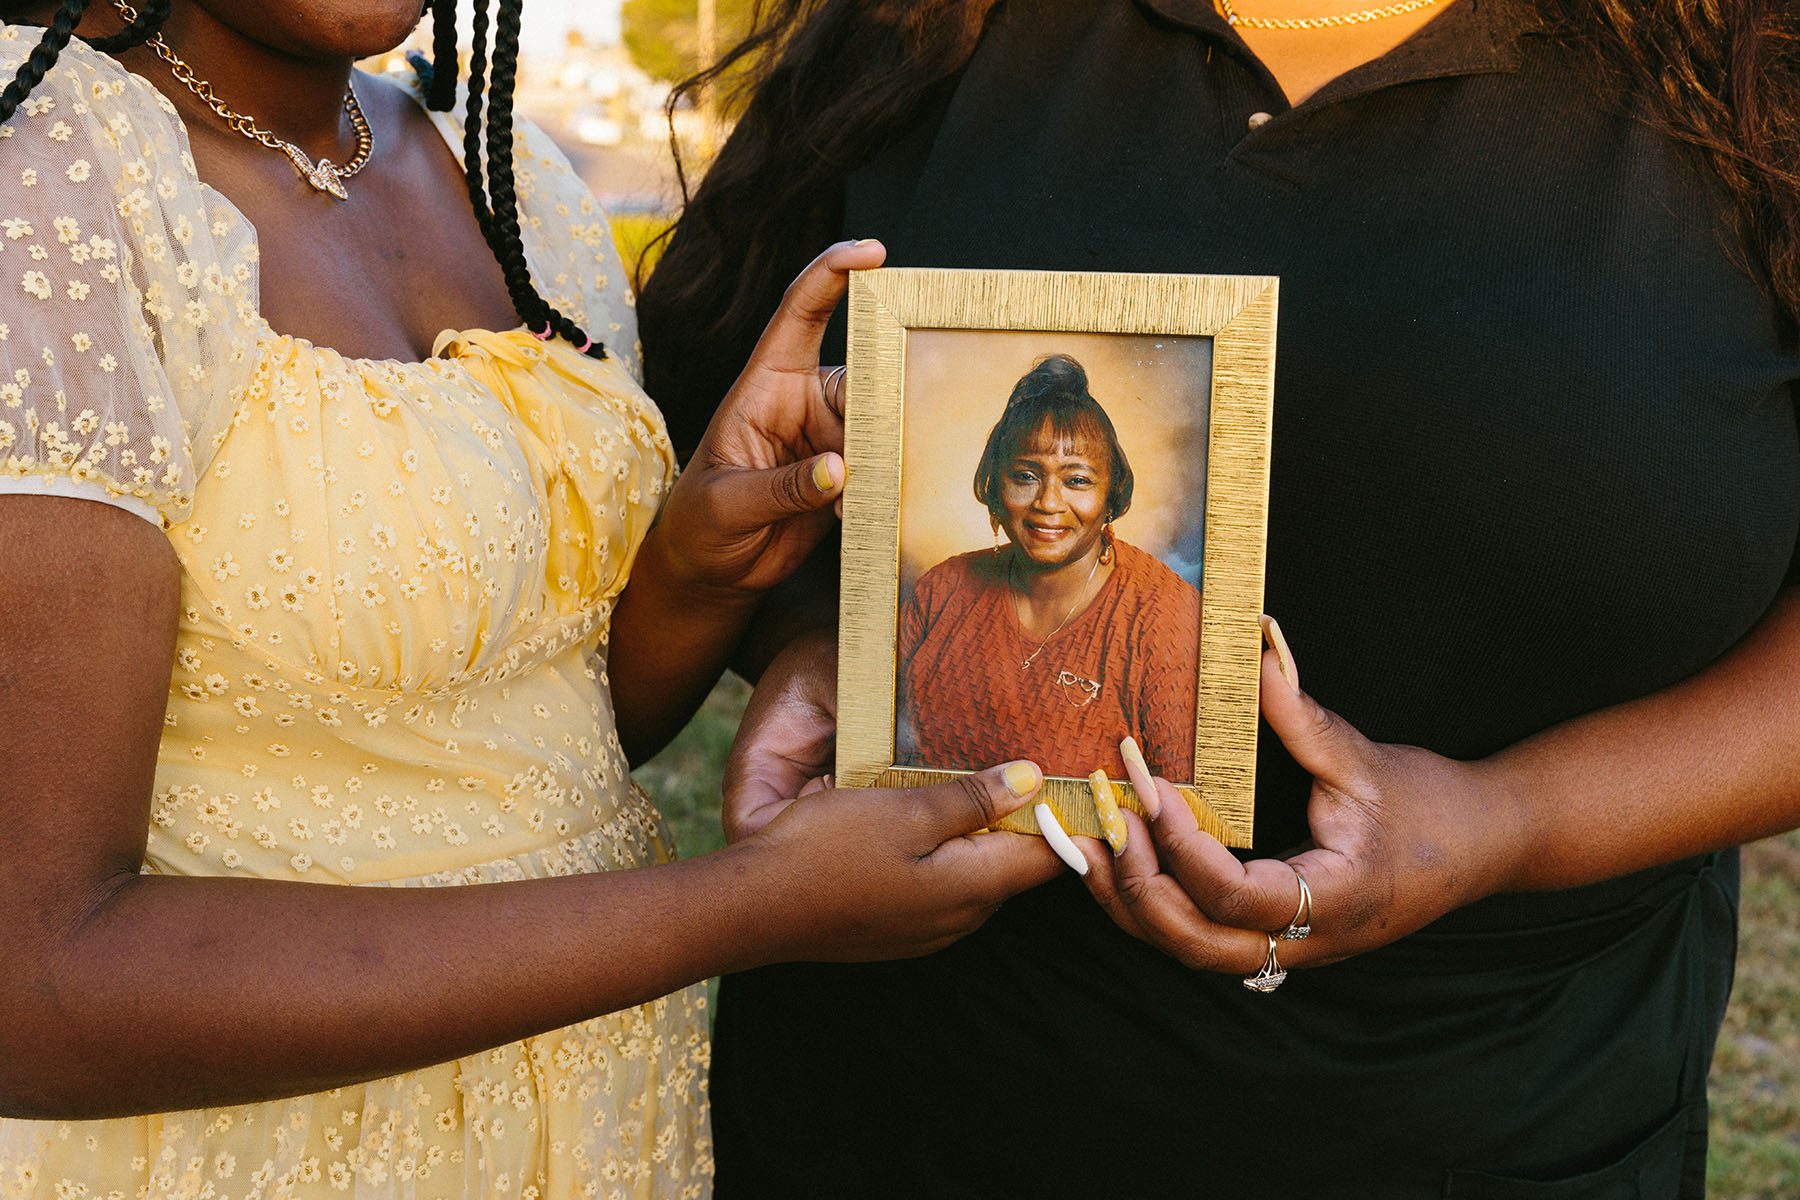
754 499
1328 746
791 341
970 803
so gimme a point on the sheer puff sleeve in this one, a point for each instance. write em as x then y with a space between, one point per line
128 316
569 247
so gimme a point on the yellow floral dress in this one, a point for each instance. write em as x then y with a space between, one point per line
391 667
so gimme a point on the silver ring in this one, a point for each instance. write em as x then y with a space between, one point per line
1271 975
1300 927
835 378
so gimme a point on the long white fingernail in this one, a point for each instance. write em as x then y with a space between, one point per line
1059 840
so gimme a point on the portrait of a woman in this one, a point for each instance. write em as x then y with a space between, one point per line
1061 639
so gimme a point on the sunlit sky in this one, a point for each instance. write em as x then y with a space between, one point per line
547 23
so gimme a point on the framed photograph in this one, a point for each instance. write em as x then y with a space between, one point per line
1054 526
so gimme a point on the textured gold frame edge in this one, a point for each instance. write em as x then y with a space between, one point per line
1238 313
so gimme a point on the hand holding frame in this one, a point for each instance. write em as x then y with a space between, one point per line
1401 837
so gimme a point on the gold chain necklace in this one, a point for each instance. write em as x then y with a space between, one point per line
325 175
1234 17
1067 617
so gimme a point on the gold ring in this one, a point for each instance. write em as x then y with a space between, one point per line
1271 975
1301 926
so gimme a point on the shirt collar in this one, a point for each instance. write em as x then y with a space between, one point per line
1469 37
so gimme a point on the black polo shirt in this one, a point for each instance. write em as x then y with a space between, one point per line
1534 454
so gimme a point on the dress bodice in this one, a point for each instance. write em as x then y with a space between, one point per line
396 577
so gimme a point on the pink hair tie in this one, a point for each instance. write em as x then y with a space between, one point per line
544 336
586 346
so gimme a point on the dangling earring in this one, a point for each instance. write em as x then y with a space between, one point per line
995 523
1106 542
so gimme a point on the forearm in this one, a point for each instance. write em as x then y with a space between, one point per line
667 648
804 603
179 993
669 644
1709 763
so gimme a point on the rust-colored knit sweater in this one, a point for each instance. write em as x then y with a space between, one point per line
965 702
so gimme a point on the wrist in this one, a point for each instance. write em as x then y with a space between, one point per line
662 567
762 903
1507 829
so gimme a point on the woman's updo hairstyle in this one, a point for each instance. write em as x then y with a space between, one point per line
1053 394
487 138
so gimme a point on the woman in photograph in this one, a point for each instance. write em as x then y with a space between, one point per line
346 575
1065 640
1534 499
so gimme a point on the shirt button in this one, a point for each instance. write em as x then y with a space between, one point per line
1258 120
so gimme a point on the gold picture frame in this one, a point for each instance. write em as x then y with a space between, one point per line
1238 314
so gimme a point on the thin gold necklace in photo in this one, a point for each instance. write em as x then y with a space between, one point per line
1067 617
324 175
1336 20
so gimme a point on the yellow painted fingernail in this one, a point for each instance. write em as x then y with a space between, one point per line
1106 804
1138 771
1284 657
1022 778
821 474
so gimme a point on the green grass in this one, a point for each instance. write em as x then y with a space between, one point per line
1756 1073
684 778
1755 1077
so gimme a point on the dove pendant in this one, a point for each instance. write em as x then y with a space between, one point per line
323 175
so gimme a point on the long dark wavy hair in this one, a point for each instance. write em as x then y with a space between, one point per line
830 82
487 128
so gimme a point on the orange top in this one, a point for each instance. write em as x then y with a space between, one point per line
1128 664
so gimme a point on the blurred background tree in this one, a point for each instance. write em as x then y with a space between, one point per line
664 37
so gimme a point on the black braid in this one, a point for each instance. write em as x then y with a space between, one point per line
43 56
488 159
146 25
442 96
502 194
50 47
478 65
502 76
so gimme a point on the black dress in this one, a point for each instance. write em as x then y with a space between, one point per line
1535 454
